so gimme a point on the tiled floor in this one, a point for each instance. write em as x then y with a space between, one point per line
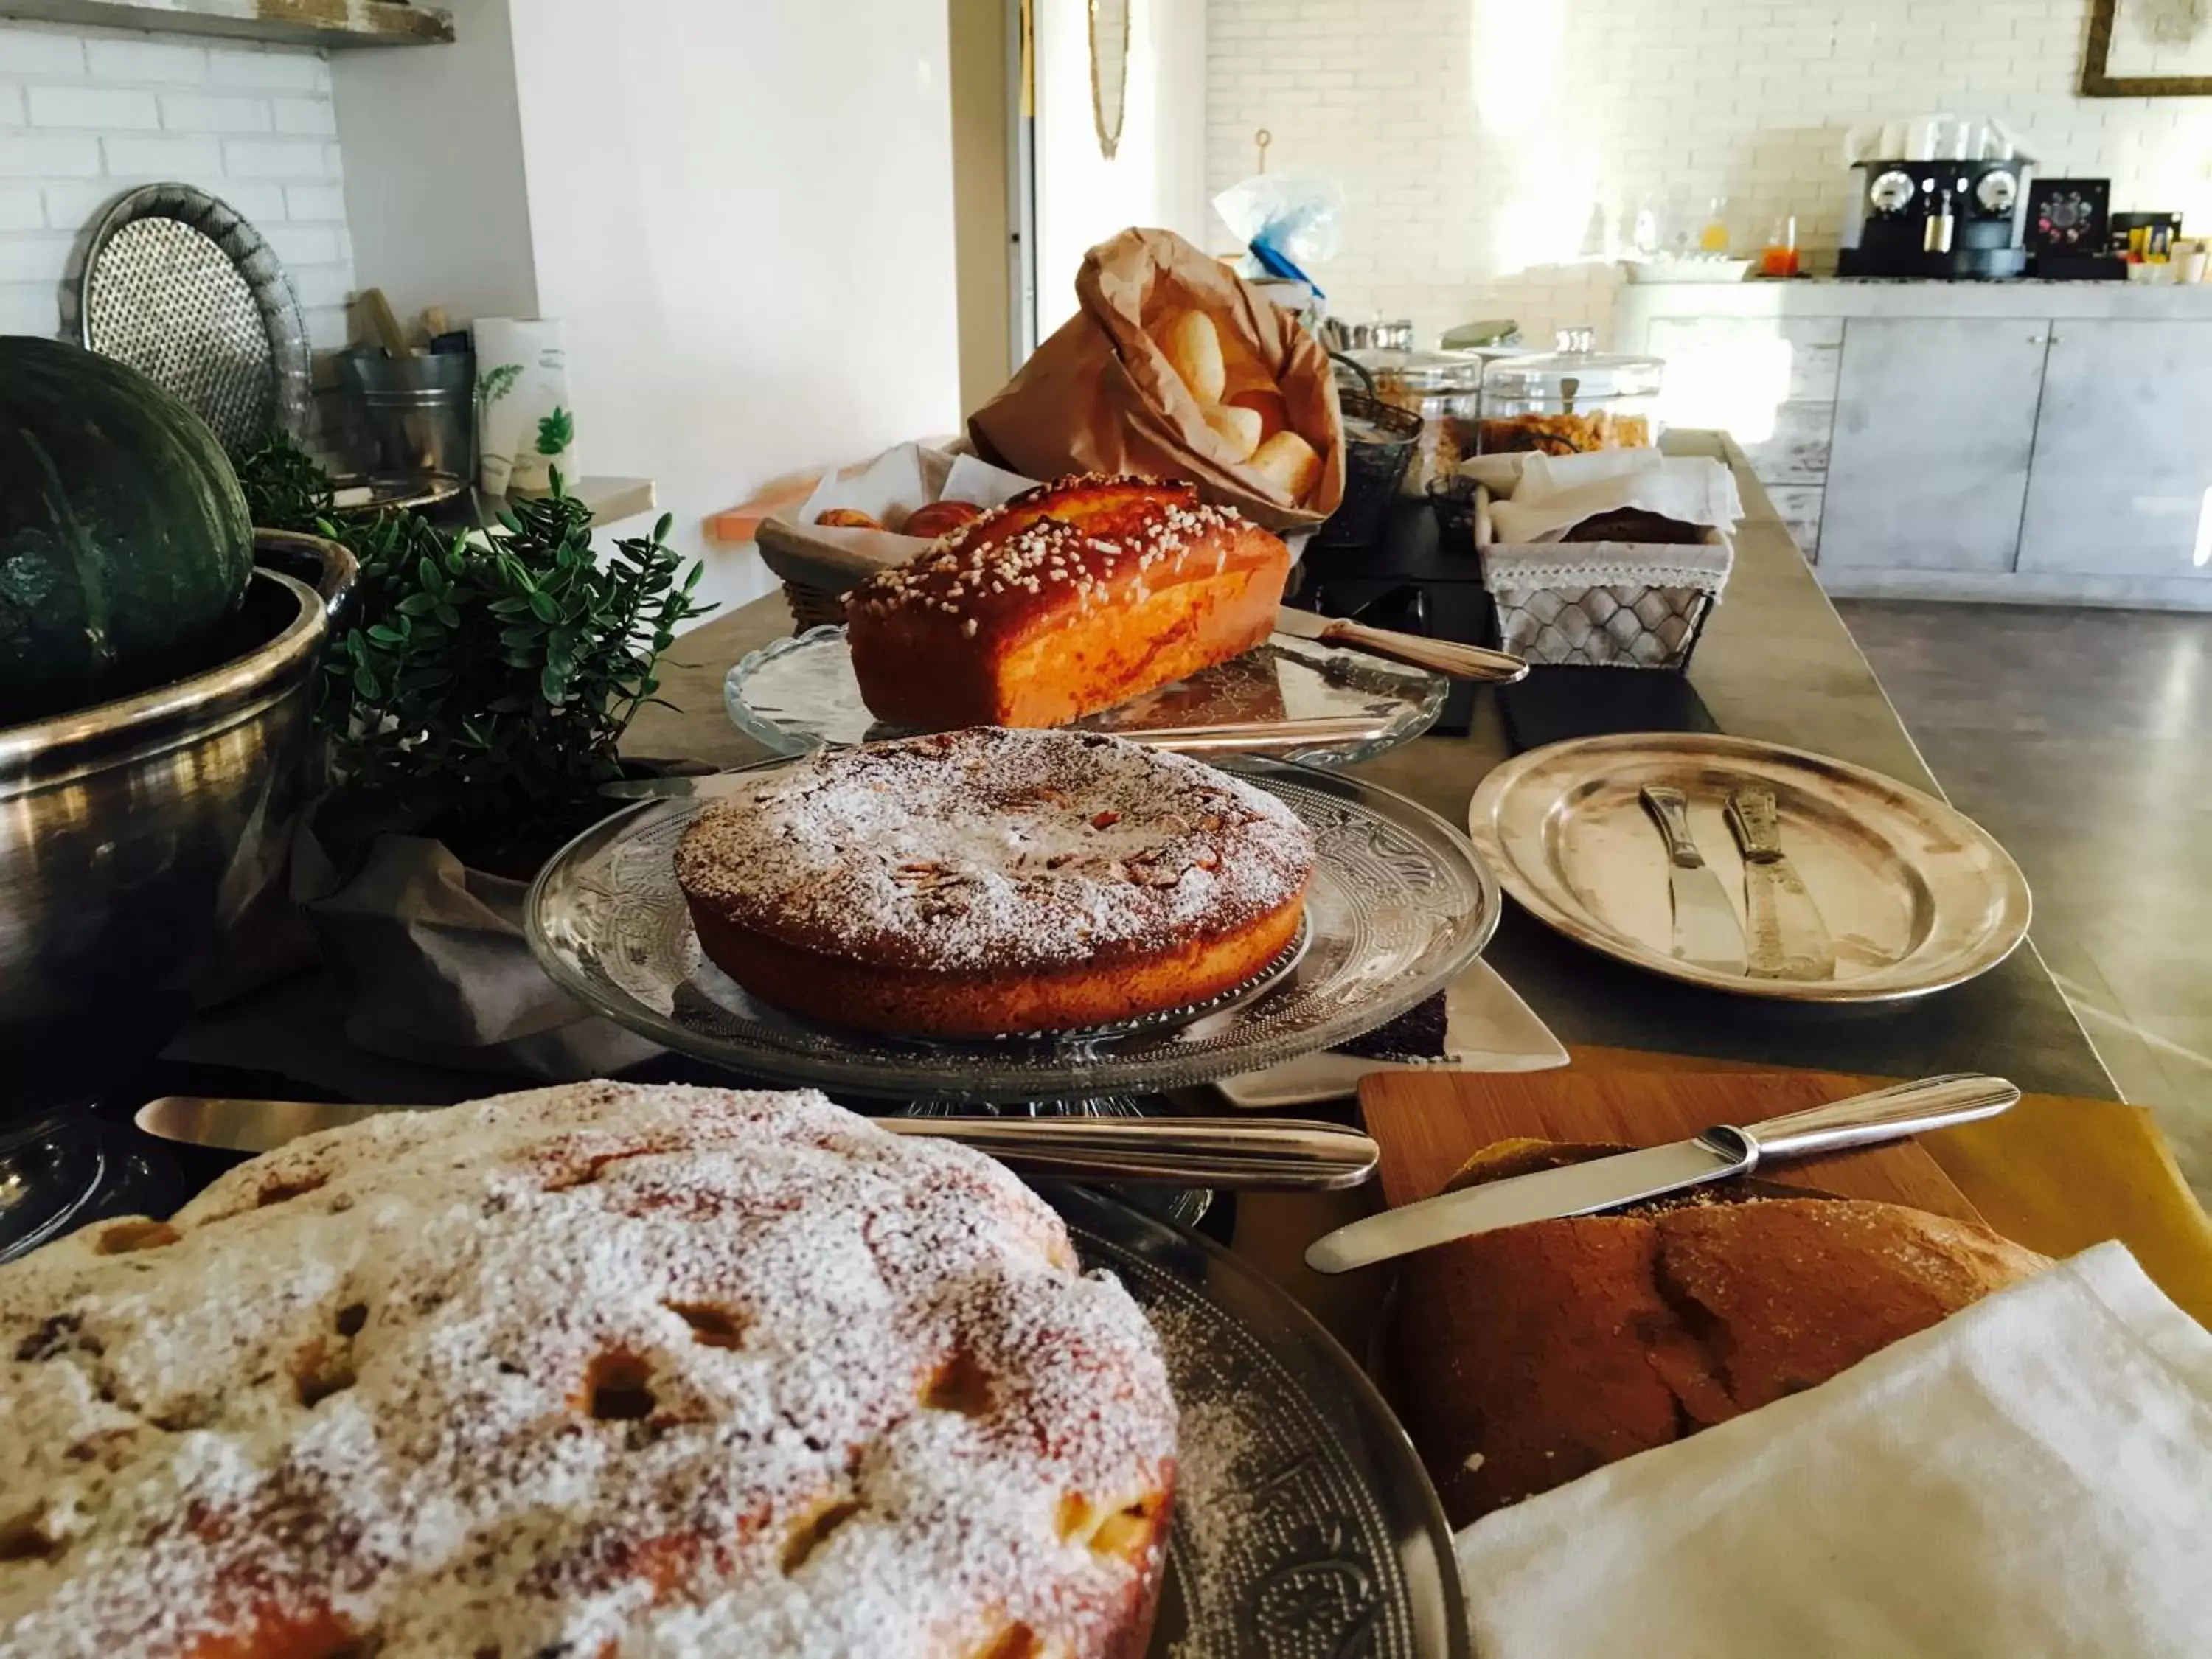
2082 739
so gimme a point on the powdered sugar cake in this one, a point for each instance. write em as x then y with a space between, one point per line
589 1371
1072 596
989 880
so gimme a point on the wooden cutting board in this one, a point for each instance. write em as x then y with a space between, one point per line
1427 1124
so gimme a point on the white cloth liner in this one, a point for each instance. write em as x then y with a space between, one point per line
1520 568
1555 494
2031 1476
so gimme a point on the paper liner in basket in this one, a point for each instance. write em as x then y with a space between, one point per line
887 487
1100 396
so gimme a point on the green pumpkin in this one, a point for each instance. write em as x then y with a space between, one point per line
124 542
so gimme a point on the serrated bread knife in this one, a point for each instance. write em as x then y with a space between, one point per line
1607 1183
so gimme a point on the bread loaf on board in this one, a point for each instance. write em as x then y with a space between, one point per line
1527 1357
1072 596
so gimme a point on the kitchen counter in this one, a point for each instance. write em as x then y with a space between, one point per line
2028 442
1885 296
1776 662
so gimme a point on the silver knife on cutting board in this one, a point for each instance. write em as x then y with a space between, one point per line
1608 1183
1788 938
1706 933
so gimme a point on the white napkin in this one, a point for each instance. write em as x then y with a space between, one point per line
1487 1028
1543 475
1691 489
2033 1476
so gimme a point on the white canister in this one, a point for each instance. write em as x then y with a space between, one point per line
525 427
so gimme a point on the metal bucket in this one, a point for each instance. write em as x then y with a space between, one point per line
420 412
135 834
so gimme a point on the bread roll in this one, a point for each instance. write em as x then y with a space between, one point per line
936 519
1238 427
1291 462
1192 346
848 518
1266 402
1529 1356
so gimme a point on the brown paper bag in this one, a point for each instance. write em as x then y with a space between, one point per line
1100 396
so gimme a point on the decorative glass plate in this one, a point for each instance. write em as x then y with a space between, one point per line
1399 905
1305 1526
798 694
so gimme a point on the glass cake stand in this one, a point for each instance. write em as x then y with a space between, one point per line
800 693
1303 1523
1399 905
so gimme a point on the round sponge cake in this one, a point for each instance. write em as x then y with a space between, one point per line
595 1370
989 880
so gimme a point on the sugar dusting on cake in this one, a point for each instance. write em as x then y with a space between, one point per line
587 1364
995 849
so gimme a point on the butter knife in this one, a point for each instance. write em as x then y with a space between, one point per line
1788 940
1608 1183
1706 933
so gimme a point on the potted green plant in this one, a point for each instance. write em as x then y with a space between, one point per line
474 700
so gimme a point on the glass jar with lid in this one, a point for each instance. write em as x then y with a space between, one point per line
1444 388
1570 400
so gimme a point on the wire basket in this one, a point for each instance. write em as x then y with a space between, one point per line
1373 469
1610 605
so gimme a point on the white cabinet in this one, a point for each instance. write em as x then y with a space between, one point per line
1935 420
1770 382
2042 443
2121 484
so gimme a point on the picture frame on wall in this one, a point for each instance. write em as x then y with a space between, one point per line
2149 48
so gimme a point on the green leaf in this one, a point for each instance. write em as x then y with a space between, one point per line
364 683
542 606
449 615
384 635
417 604
509 607
553 683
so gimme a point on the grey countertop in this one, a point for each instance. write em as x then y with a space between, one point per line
1776 662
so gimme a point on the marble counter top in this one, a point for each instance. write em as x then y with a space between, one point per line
1828 296
1776 662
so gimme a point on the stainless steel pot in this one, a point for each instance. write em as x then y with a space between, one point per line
134 835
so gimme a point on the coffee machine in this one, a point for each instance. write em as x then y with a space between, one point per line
1936 196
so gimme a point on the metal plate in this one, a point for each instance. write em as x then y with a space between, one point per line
1917 896
1399 905
1304 1527
395 492
800 693
179 287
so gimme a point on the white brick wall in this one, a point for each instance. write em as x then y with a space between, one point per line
1490 149
86 114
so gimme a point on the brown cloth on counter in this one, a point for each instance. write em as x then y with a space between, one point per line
1100 396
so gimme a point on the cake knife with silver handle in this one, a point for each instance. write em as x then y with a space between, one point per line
1245 737
1286 1153
1706 933
1608 1183
1446 657
1787 939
